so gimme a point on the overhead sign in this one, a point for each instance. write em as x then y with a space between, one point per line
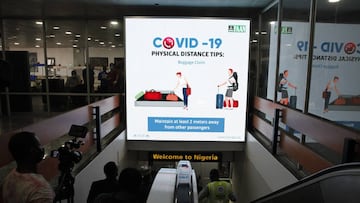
190 156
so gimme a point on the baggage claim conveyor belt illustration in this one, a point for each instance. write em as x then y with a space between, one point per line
174 185
164 98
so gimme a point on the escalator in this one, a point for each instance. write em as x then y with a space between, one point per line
338 184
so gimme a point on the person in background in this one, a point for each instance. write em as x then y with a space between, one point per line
23 184
73 81
107 185
217 191
129 190
89 69
103 77
112 77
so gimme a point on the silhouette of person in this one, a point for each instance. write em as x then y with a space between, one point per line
24 184
130 191
89 69
73 81
107 185
217 190
104 82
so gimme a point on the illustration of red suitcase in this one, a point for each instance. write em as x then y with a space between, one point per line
152 95
235 103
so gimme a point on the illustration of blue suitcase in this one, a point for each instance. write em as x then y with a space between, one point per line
293 100
292 103
219 101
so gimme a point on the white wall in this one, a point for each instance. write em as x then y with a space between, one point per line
257 173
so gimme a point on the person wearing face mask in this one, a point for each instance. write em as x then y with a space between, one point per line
23 184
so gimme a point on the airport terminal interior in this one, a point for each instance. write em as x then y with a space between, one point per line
264 91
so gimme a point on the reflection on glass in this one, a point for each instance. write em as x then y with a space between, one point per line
268 20
106 56
335 89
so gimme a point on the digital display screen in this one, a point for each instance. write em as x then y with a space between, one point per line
186 78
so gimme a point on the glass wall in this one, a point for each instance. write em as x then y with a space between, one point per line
327 86
49 62
335 87
268 18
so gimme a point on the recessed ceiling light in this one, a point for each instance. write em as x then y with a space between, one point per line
75 40
103 27
113 46
38 39
56 28
89 38
68 32
58 43
114 23
333 1
16 43
117 34
37 46
74 45
101 43
77 35
39 22
51 35
96 40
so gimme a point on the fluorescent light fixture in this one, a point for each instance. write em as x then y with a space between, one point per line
263 32
272 22
38 39
89 38
77 35
114 23
68 32
39 22
117 34
103 27
52 36
58 43
113 46
102 43
37 46
16 43
74 45
334 1
56 28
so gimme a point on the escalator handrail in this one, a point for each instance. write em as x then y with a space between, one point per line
336 170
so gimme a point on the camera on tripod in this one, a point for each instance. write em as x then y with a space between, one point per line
68 157
67 154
